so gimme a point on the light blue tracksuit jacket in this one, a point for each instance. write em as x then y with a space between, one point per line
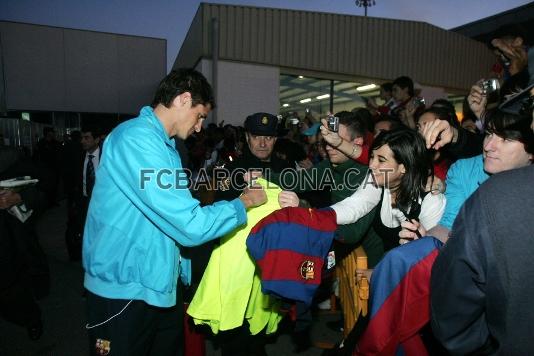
135 226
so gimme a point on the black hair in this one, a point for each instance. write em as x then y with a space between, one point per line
387 87
353 123
511 127
444 104
93 129
409 149
184 80
443 113
394 122
365 116
405 82
293 151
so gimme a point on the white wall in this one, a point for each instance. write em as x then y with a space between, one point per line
243 89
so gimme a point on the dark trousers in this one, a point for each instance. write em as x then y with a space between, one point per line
239 342
140 329
17 304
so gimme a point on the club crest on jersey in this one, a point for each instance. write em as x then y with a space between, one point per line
103 347
307 270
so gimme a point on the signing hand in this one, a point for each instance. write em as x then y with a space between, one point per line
251 176
253 196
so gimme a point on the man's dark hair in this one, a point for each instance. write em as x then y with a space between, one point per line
405 82
94 130
184 80
387 87
511 127
353 123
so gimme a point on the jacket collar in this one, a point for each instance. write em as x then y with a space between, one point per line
147 113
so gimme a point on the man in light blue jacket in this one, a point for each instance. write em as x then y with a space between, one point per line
140 213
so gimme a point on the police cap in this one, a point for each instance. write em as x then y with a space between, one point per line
262 124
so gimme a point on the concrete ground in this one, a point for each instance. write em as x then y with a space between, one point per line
64 309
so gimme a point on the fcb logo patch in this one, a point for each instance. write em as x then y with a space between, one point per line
103 347
307 270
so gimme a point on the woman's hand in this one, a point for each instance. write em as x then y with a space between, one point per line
408 232
288 199
435 185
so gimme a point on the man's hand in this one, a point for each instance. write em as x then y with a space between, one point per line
439 133
253 196
477 100
8 198
332 138
287 198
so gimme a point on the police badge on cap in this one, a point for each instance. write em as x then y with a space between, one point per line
262 124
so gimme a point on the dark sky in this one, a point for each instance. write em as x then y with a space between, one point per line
170 19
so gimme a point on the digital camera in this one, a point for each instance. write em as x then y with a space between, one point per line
489 86
333 123
418 101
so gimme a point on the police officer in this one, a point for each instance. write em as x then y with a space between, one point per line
261 132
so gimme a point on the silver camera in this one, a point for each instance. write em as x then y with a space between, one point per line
333 123
489 86
418 101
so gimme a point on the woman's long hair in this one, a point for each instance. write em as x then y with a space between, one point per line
409 149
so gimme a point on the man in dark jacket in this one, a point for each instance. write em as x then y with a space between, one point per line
23 268
481 286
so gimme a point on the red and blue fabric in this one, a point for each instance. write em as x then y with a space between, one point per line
290 246
400 300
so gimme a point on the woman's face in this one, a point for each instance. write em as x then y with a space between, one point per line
387 172
424 119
